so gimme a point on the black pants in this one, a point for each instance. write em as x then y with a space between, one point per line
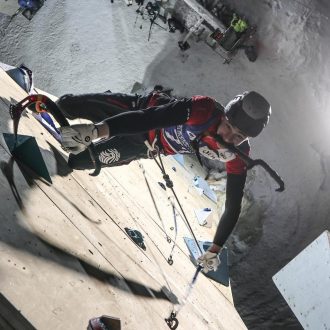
117 150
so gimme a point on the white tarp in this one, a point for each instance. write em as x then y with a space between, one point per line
305 284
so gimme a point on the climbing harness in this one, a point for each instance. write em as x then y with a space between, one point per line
49 106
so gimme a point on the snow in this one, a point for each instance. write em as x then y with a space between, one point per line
79 47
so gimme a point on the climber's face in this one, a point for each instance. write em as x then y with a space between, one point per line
230 133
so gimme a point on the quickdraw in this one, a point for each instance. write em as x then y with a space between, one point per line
48 106
168 238
170 258
169 184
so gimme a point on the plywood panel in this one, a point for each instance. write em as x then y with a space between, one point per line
66 257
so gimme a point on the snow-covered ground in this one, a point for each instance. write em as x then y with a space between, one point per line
78 47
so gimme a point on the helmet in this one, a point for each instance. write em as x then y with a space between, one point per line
249 112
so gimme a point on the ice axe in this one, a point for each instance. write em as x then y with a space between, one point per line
253 162
50 107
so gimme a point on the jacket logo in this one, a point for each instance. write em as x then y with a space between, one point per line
109 156
224 155
177 139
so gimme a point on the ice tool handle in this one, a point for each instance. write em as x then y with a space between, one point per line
51 107
253 162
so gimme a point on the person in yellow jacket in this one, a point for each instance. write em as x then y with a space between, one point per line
238 24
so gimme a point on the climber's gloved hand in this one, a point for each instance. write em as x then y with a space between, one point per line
209 261
77 138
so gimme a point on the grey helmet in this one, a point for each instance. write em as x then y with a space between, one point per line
249 112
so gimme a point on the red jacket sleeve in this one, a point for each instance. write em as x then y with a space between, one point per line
202 109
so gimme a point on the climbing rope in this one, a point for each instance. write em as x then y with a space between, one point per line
172 320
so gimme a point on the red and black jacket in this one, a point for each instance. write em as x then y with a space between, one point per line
180 122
